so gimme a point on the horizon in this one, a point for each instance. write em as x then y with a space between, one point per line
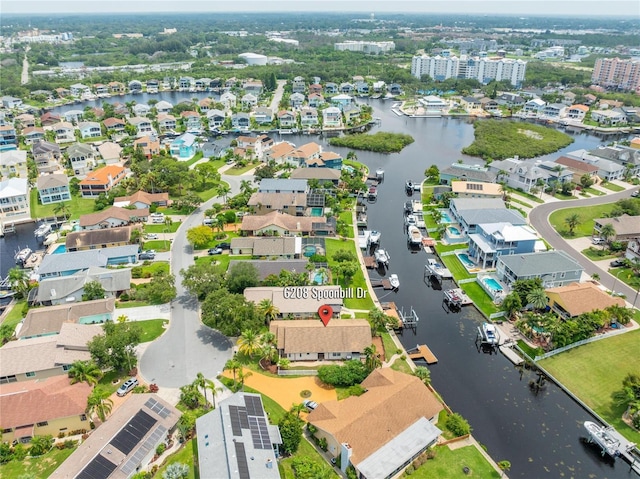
544 8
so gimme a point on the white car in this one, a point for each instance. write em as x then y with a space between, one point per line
597 240
310 405
151 236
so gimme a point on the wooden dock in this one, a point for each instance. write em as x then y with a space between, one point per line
370 262
424 353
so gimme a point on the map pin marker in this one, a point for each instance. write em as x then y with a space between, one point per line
325 312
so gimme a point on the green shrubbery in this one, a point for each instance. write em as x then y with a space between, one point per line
353 372
499 139
380 142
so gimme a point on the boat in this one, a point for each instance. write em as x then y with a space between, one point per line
42 231
382 257
408 186
490 334
437 269
373 192
374 237
414 235
451 295
380 174
408 207
23 256
394 281
410 220
603 436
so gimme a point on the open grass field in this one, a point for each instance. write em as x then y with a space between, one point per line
448 464
593 372
77 207
151 329
358 280
42 466
587 215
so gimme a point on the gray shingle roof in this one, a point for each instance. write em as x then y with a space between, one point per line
500 215
112 280
54 263
282 185
477 203
537 264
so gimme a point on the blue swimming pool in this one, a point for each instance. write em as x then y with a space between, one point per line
465 260
309 250
453 230
445 218
492 284
59 249
319 277
317 211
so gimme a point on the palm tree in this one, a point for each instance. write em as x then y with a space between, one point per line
99 403
190 396
233 365
249 342
200 382
85 371
267 309
223 191
297 408
572 221
19 281
211 386
242 375
62 208
595 277
537 298
372 359
246 188
607 232
422 373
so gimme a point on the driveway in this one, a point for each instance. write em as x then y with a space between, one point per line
539 218
188 346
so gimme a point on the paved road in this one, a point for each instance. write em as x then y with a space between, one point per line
188 346
539 218
24 77
277 95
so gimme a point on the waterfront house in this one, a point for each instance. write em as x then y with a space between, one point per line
476 189
470 212
184 147
11 102
13 163
114 126
263 115
216 118
100 89
113 217
510 99
287 119
554 111
253 86
293 204
307 152
101 180
341 101
310 340
328 174
240 121
226 440
228 100
615 117
529 174
62 92
362 87
279 152
89 129
116 87
163 106
351 113
554 268
332 117
298 308
32 134
64 132
326 159
47 156
191 121
66 290
49 119
184 83
433 104
534 106
268 247
577 112
345 89
607 169
296 100
256 146
141 200
460 171
492 240
142 125
73 116
380 432
574 299
282 185
55 406
141 109
65 264
53 188
248 101
152 86
8 135
579 169
282 224
110 152
14 200
395 89
626 227
78 89
489 104
470 103
150 146
624 155
135 87
82 157
126 443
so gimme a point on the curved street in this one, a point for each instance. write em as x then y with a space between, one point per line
188 346
539 219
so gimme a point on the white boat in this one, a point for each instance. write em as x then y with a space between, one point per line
374 237
410 220
394 281
380 174
408 207
22 256
453 297
490 334
604 437
373 192
414 235
409 186
437 269
42 231
381 257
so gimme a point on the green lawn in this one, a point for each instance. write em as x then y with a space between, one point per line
401 365
152 269
111 381
612 187
162 228
186 455
523 203
481 299
526 195
131 304
593 191
151 329
347 217
42 466
222 259
597 254
358 281
448 464
586 215
389 346
233 171
14 316
443 248
159 245
455 266
593 372
77 206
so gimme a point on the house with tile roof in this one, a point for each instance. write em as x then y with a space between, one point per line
577 112
323 175
294 204
308 151
48 406
574 299
279 152
326 159
150 145
49 119
113 217
124 444
578 168
270 247
298 307
110 152
64 131
287 119
270 267
311 340
101 181
33 134
166 122
626 227
100 238
282 224
380 432
53 188
143 125
46 356
63 289
141 199
8 135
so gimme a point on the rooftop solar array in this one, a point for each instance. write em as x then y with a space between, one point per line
241 459
131 434
254 406
259 432
99 468
158 408
151 442
234 414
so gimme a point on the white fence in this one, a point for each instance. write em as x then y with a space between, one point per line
580 343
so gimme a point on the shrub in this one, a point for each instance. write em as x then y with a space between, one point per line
153 388
5 453
70 444
161 448
352 372
409 470
322 444
19 452
458 425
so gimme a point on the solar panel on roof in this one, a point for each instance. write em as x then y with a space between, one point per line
235 421
99 468
241 459
254 406
150 403
242 413
259 432
131 434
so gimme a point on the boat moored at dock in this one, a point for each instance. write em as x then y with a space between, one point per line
23 256
603 437
382 257
42 231
436 269
394 281
488 334
414 235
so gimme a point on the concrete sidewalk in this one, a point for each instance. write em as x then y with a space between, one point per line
143 313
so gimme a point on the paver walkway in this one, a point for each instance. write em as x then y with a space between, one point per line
286 391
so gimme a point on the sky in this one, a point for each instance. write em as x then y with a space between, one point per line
594 8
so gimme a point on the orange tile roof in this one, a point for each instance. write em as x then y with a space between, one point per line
579 107
579 298
101 176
